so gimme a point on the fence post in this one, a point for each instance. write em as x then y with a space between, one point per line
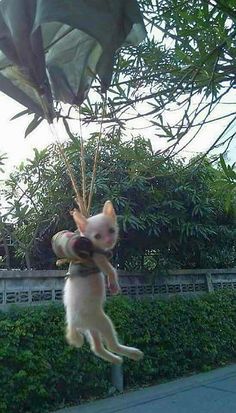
210 287
117 377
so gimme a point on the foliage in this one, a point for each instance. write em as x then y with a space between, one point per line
4 250
227 182
39 372
3 158
169 213
27 206
176 80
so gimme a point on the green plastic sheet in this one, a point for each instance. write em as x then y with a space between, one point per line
52 50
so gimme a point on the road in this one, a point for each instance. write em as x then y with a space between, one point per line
212 392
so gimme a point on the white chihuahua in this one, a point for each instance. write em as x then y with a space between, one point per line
84 293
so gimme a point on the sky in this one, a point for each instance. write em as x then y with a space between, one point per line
19 148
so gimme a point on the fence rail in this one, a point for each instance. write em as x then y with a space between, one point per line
39 287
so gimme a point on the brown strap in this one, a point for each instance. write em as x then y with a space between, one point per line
107 254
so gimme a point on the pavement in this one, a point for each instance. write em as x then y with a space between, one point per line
211 392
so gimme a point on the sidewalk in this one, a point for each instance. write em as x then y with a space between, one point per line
213 392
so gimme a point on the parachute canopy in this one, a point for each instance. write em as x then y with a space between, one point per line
53 49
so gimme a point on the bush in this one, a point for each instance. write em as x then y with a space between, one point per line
40 372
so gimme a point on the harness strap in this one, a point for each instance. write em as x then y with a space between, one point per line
80 260
80 270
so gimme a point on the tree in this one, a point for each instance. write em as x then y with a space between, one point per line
4 248
170 215
27 207
176 80
227 183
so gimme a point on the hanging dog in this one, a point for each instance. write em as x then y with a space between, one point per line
89 251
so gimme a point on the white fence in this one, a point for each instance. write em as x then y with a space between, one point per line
39 287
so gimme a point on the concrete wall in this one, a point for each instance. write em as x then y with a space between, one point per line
39 287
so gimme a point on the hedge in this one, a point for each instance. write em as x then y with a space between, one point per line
39 372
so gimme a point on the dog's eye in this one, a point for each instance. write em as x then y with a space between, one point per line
98 236
111 230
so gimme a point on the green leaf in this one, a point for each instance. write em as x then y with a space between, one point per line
223 164
22 113
33 125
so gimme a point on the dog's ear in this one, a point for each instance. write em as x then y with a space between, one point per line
108 210
79 219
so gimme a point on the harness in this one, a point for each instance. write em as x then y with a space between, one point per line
81 270
79 258
84 268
